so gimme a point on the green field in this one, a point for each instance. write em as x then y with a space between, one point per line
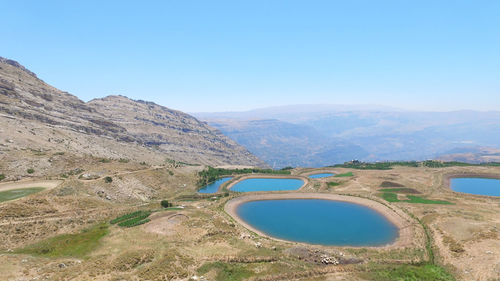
18 193
132 219
348 174
68 245
406 272
393 197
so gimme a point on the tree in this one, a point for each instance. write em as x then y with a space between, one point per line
108 179
165 204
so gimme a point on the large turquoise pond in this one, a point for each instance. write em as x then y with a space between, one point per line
213 187
322 175
267 184
318 221
478 186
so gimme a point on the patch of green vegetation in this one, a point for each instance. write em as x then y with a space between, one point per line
30 171
135 221
165 203
226 271
418 199
68 245
406 272
393 197
18 193
59 153
210 174
132 219
104 160
123 160
332 184
108 179
2 177
400 190
348 174
390 197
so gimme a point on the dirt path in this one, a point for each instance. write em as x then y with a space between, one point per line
47 184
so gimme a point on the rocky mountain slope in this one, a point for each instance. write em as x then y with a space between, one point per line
39 117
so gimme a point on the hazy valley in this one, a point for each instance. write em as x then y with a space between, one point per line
336 134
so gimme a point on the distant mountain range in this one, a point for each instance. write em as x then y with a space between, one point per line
37 116
319 135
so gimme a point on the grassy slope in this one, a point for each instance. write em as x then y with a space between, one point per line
68 245
425 272
18 193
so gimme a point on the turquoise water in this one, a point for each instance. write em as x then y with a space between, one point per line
263 184
318 221
478 186
213 187
322 175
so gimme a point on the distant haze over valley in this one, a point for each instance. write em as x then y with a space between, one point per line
320 135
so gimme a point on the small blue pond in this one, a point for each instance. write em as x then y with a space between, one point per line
213 187
318 221
478 186
322 175
263 184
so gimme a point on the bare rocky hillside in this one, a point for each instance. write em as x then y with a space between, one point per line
39 117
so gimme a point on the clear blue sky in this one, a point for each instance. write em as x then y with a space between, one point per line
237 55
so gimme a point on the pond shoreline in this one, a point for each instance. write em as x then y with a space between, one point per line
448 177
237 180
399 219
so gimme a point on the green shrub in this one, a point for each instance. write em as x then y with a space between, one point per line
123 160
30 171
2 177
108 179
332 184
165 204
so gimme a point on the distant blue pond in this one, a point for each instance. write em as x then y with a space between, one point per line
318 221
322 175
263 184
478 186
213 187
